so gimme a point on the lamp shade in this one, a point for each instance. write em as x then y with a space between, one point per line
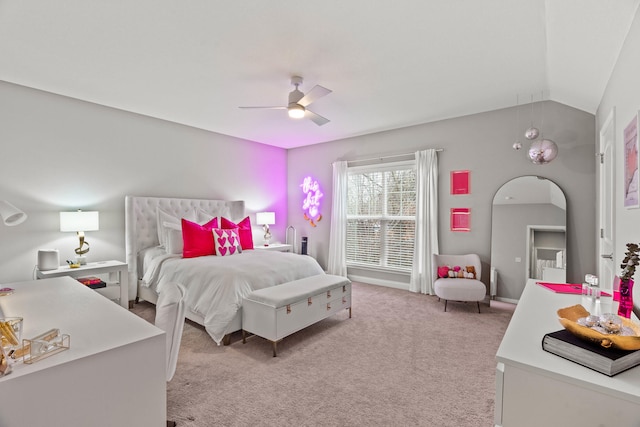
10 214
268 218
79 221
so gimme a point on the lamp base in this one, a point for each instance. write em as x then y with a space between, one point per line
81 259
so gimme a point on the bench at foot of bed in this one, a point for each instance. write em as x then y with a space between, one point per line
278 311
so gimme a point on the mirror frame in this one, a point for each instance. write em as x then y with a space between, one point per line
522 237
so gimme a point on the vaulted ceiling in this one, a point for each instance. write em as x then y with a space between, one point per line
390 64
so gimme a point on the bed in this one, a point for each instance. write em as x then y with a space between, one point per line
215 285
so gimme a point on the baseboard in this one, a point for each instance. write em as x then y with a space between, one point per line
509 300
379 282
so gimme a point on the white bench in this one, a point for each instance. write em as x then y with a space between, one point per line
278 311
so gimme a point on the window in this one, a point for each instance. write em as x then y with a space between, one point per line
381 208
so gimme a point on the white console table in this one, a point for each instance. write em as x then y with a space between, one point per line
536 388
118 277
112 375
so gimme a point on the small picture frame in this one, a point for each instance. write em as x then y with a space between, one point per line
460 182
460 219
631 160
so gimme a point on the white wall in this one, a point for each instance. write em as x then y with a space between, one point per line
62 154
623 93
482 144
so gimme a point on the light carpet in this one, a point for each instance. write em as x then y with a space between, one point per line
400 360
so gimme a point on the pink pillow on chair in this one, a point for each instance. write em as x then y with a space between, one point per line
443 271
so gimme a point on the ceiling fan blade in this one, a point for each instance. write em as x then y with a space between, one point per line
316 118
315 93
268 108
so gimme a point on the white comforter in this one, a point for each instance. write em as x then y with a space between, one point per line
216 285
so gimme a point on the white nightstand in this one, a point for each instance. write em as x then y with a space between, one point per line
118 277
282 247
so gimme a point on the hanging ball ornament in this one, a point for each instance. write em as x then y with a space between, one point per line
543 151
531 133
517 145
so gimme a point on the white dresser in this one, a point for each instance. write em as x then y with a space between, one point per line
112 375
536 388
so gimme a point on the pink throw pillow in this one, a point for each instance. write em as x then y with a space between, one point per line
197 239
227 241
244 230
443 271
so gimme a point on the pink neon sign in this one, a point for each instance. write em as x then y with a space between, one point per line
311 203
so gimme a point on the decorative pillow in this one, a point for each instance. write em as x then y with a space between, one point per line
197 239
443 271
457 272
174 243
226 241
244 230
164 218
203 216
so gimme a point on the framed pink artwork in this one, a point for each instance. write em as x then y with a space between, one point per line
460 182
460 219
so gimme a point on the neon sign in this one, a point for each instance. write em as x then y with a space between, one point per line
311 203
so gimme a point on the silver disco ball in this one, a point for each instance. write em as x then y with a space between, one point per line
531 133
543 151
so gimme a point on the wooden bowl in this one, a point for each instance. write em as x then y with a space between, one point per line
570 315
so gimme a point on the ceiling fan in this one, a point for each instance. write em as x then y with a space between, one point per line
298 102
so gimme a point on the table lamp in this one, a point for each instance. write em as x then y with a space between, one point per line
80 222
266 219
10 214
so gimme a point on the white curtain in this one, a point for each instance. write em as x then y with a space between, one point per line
426 242
337 263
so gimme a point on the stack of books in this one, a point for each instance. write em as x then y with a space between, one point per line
608 361
92 282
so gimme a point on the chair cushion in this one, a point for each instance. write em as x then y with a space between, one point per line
460 289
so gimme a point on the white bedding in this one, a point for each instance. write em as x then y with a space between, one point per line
216 285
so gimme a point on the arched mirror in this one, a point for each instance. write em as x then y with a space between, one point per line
528 236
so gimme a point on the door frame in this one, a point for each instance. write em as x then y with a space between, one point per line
606 201
530 242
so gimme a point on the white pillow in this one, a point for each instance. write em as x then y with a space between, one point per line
174 243
166 218
203 217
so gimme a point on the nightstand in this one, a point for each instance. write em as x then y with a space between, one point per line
118 277
281 247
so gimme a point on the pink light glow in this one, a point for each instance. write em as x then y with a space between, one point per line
311 203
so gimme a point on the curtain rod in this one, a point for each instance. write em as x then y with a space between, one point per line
388 157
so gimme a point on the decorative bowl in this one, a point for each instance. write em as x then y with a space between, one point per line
569 317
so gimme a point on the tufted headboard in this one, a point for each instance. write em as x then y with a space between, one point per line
141 229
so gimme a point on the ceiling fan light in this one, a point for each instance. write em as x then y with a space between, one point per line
296 111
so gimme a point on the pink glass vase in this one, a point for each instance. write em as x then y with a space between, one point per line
625 306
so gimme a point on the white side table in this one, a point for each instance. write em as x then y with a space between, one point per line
118 276
281 247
